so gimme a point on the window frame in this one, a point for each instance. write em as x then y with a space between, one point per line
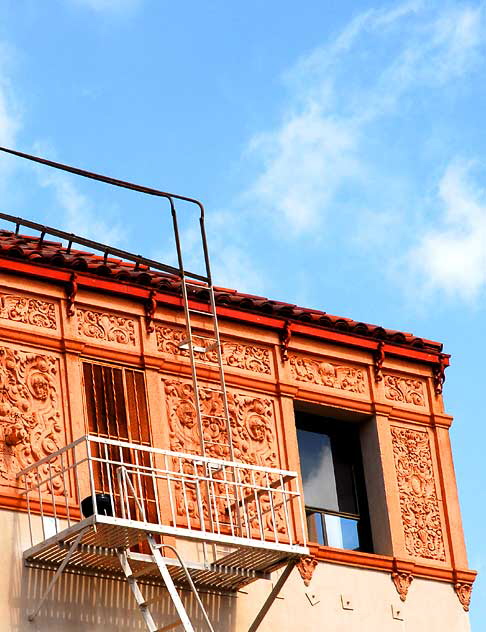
338 429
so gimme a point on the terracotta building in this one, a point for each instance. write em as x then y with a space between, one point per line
331 490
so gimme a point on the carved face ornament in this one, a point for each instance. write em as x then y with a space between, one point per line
186 414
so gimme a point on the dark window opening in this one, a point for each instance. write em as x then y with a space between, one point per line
333 480
116 407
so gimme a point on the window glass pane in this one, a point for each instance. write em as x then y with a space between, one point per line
343 452
333 531
315 527
342 533
317 470
349 530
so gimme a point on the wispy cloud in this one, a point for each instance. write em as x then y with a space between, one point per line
450 256
77 212
339 91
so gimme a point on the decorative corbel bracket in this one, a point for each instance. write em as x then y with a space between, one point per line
464 592
306 567
378 359
402 576
71 290
150 308
285 336
439 373
463 584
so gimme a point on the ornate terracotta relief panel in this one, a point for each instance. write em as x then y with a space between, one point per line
106 327
404 390
29 311
254 437
252 424
241 356
332 375
418 494
30 412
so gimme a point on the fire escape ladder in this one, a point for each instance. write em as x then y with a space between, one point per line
205 352
159 564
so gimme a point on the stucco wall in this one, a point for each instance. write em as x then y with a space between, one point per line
84 604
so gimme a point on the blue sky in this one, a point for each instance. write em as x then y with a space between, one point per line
339 147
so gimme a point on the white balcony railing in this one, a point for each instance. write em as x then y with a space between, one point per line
159 491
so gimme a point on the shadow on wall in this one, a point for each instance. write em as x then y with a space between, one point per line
79 603
87 604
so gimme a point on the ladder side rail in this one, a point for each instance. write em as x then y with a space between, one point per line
224 391
168 581
187 315
139 598
158 556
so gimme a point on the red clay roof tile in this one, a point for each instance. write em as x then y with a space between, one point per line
53 253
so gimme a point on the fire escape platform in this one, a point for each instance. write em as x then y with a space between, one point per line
96 554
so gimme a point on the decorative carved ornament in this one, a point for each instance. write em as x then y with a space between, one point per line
378 359
464 592
306 567
30 412
105 326
285 337
345 378
252 424
30 311
150 309
439 373
402 581
254 441
418 495
238 355
71 291
405 390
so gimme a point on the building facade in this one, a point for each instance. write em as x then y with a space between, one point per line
90 345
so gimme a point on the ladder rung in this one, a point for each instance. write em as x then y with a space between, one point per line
214 416
145 570
208 388
196 283
199 311
170 626
185 347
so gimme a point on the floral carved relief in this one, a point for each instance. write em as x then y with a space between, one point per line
252 424
238 355
30 412
345 378
419 503
30 311
105 326
253 431
405 390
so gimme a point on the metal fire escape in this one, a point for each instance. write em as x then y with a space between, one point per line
236 522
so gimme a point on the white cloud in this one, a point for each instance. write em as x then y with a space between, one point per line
110 6
339 90
450 256
78 214
304 162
